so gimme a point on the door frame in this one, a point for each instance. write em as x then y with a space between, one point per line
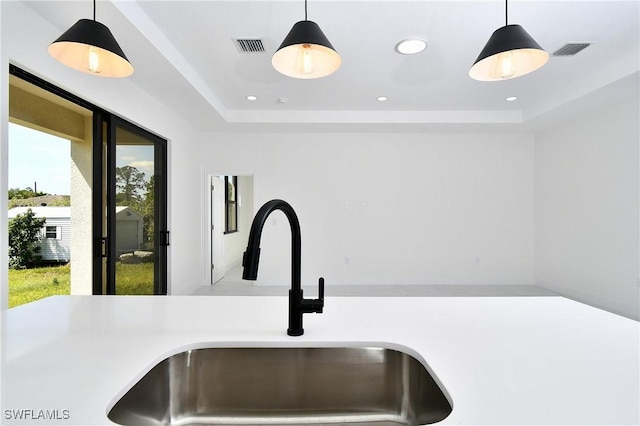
217 268
104 124
106 241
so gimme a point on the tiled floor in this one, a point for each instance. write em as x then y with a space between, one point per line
233 285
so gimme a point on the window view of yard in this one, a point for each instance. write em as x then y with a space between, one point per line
28 285
31 277
40 222
38 168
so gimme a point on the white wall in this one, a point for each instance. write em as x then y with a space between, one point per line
586 208
4 154
391 208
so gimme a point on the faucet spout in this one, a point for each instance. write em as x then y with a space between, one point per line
297 304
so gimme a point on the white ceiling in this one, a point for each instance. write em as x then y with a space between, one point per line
184 55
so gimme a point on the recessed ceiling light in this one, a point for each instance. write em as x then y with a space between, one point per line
382 98
251 98
511 98
411 46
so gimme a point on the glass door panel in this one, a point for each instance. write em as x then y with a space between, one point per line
117 190
135 211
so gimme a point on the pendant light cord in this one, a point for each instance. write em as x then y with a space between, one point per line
506 12
305 9
94 10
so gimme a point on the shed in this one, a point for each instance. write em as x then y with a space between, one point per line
129 230
55 245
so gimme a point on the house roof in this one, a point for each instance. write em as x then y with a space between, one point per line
49 212
63 212
127 212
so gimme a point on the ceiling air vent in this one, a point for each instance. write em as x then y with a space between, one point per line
249 45
571 49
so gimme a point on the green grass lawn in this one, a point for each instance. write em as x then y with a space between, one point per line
134 279
29 285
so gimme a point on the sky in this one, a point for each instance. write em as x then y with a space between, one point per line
138 156
37 157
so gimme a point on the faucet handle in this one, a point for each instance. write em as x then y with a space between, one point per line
321 289
308 306
320 301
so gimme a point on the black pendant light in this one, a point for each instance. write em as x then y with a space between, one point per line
89 46
306 52
510 52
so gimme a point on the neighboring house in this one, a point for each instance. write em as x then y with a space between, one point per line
56 233
129 236
55 245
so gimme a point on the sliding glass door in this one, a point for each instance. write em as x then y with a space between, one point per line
118 189
134 240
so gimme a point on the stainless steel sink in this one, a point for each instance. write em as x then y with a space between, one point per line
257 386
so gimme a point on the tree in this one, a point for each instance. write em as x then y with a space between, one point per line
24 235
129 184
24 193
148 211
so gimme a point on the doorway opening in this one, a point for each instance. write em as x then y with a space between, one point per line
49 140
115 204
230 215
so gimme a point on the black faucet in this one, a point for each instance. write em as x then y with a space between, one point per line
297 304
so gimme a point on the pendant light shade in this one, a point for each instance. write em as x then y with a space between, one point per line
510 52
89 46
306 52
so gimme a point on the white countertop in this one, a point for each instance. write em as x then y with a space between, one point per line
506 360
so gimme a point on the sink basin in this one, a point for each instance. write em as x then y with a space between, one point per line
310 385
